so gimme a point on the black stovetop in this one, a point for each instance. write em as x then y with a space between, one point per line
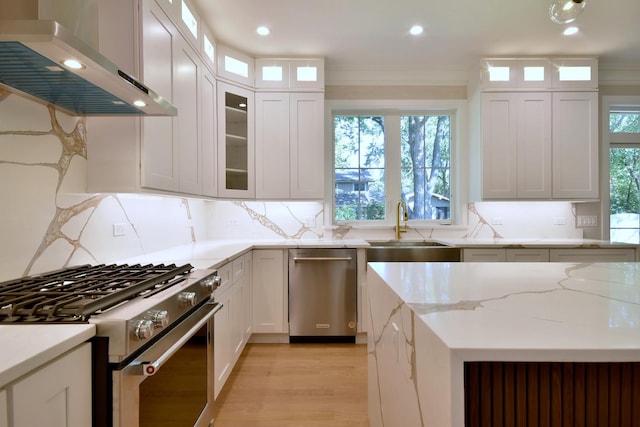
71 295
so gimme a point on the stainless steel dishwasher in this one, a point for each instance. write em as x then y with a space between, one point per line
322 295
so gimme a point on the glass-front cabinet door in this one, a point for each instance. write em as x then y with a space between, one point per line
236 142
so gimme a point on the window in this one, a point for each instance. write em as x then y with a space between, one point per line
190 20
381 159
624 174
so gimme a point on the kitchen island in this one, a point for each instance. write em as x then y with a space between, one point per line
439 330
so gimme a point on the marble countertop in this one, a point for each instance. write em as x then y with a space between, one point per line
26 347
532 243
213 254
524 311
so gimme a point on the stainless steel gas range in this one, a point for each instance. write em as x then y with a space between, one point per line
154 336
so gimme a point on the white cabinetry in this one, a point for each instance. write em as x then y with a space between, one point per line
4 411
540 145
235 142
222 345
548 255
516 135
172 146
539 128
289 145
231 331
593 255
56 395
270 309
575 145
167 154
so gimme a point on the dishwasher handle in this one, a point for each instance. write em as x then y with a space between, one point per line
321 259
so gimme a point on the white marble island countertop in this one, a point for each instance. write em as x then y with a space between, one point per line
428 319
525 310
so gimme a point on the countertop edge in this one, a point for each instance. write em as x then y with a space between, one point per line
47 347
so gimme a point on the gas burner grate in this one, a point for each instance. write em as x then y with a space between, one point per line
73 294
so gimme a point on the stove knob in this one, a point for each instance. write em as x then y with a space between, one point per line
211 283
188 299
160 318
143 329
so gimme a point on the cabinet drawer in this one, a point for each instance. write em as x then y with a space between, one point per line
593 255
528 255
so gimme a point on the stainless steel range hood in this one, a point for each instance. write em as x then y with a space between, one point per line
32 55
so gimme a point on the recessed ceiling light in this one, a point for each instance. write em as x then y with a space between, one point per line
263 31
139 103
416 30
569 31
73 64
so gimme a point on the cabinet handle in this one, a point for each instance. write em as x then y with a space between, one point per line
316 259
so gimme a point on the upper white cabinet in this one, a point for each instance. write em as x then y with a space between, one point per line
575 145
236 162
235 66
294 74
166 154
539 140
516 135
289 145
539 74
208 149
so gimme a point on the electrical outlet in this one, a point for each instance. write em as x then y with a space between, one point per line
587 220
119 229
559 220
497 220
310 221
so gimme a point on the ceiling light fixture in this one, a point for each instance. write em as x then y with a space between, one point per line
416 30
569 31
263 31
566 11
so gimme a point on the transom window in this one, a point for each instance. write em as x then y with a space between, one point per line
380 159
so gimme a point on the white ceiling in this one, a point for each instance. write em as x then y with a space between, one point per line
368 41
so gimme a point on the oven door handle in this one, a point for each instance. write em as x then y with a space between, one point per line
146 368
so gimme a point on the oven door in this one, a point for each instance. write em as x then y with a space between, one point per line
170 383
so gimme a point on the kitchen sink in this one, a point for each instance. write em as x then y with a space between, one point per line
408 251
405 244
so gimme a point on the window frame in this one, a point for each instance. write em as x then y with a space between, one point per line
455 108
613 140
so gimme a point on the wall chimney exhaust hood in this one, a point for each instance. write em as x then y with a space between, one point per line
32 63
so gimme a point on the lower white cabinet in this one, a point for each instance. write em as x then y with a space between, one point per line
231 331
593 255
4 411
548 255
270 307
56 395
505 255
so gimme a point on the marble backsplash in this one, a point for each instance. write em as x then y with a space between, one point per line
49 221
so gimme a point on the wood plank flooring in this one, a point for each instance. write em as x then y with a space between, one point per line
301 385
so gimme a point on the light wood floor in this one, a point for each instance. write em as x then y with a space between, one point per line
301 385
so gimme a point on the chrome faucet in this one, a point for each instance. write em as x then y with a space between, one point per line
401 206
